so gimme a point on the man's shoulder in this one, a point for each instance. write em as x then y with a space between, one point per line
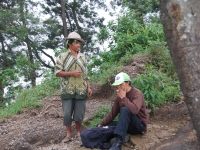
65 53
81 54
134 89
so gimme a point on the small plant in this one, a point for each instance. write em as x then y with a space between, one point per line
99 115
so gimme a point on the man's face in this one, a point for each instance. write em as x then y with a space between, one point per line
75 46
121 86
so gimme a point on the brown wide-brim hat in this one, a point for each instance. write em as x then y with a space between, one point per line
75 36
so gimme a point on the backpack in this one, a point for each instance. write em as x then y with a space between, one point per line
97 137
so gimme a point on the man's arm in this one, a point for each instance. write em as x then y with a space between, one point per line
75 73
89 91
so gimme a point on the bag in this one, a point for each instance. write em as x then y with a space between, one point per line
97 137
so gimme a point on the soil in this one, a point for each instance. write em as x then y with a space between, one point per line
169 128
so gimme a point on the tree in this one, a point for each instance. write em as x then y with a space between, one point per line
25 37
7 56
141 7
21 45
80 16
181 21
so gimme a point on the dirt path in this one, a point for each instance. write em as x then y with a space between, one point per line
41 129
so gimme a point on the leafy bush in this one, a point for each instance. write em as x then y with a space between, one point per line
157 87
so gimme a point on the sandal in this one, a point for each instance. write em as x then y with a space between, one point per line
78 138
66 140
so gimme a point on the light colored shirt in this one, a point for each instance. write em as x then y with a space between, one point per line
72 87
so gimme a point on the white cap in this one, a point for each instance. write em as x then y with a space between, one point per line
120 78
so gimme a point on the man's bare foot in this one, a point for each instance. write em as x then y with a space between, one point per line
78 136
67 139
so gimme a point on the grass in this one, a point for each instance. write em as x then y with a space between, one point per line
29 98
101 112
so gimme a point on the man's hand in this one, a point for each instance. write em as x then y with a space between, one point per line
89 91
121 93
76 73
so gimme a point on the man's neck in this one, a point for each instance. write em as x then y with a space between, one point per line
128 89
74 53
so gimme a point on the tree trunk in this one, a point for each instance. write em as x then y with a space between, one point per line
32 73
1 91
181 21
4 63
63 3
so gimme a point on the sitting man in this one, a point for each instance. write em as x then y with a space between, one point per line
130 106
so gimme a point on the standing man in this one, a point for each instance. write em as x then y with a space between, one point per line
130 106
71 67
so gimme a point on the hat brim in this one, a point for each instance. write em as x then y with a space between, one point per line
117 83
82 41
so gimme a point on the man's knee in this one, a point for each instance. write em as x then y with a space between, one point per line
124 109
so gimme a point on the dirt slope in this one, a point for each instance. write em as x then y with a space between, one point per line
41 129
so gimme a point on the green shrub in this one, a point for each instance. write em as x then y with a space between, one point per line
157 87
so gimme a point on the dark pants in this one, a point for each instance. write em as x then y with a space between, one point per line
127 123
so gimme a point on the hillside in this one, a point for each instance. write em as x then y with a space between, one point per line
170 128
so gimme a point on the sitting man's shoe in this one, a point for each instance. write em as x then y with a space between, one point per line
118 144
126 139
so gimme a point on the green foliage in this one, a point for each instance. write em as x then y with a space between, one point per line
126 58
103 34
26 67
99 115
81 16
29 98
51 80
8 77
129 36
160 58
105 74
157 87
27 37
59 51
141 7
